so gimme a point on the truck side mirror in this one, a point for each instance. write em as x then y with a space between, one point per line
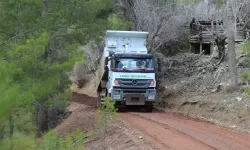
106 61
159 64
106 68
111 53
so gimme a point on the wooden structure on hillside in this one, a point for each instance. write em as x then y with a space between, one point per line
203 33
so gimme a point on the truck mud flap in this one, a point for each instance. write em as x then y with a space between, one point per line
135 99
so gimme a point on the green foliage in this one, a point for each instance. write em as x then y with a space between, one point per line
248 92
106 112
115 23
29 127
9 91
245 76
2 129
37 77
106 116
73 141
40 43
26 62
246 47
19 141
108 106
50 141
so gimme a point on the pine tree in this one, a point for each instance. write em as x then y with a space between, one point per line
40 42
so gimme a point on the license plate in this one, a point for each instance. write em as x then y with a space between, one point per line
135 99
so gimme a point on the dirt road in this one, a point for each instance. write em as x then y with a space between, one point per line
159 130
179 133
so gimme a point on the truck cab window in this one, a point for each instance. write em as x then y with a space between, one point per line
131 64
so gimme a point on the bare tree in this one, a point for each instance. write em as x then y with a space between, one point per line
235 13
163 20
92 53
231 25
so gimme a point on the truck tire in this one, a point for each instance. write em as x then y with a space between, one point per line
98 101
101 97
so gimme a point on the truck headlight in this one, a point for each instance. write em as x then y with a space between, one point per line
152 83
116 83
151 97
116 96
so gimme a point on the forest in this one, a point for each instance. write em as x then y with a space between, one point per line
42 42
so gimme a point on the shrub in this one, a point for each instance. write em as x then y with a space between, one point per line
245 77
73 141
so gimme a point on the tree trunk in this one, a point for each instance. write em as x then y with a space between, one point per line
231 47
220 41
45 7
11 125
42 119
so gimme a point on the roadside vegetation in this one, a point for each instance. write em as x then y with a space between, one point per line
106 116
245 77
40 43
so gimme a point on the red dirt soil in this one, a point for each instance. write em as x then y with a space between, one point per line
83 115
174 132
159 130
84 99
119 136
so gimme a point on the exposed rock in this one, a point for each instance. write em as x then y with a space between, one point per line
239 99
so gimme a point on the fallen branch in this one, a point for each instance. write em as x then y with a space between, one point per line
203 71
242 55
217 74
221 60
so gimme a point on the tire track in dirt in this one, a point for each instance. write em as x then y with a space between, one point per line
162 134
174 132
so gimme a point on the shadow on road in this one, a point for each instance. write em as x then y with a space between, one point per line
84 99
134 109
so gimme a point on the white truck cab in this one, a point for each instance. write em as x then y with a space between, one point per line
129 72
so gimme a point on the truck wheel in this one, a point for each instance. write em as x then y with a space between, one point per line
101 97
98 101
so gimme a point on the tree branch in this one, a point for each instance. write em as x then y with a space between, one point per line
16 36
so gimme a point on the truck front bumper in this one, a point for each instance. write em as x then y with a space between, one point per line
134 96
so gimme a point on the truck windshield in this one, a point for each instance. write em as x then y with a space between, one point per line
129 64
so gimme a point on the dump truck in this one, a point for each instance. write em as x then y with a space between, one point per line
127 71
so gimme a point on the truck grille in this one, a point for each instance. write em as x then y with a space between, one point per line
134 83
